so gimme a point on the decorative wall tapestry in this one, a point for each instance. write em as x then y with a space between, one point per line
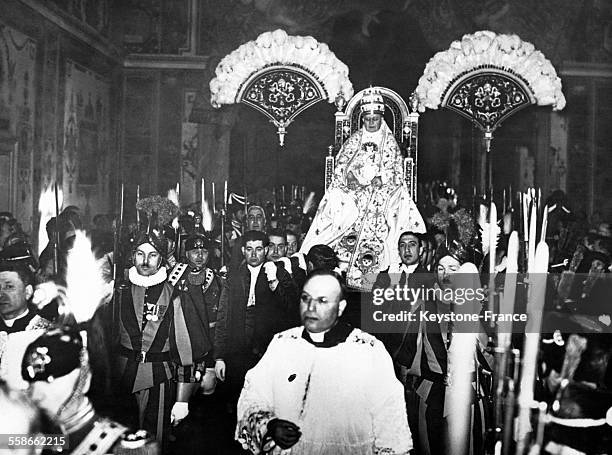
17 101
87 160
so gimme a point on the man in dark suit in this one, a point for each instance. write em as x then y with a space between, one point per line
406 348
255 221
408 273
257 302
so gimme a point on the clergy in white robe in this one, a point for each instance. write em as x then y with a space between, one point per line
332 386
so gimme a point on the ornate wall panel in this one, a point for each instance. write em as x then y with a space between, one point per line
190 173
87 156
17 102
155 26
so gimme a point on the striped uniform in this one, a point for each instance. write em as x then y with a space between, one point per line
425 382
161 342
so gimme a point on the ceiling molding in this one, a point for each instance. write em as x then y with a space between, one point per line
76 28
161 61
585 69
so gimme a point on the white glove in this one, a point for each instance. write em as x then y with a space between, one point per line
180 410
44 294
270 269
220 370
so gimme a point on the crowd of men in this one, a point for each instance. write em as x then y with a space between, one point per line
249 320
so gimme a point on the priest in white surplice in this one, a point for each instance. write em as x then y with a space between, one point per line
323 388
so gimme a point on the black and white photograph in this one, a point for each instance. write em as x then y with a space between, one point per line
306 227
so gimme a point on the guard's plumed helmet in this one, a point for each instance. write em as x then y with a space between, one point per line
372 102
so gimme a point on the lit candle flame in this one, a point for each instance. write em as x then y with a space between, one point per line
46 208
309 203
207 218
174 197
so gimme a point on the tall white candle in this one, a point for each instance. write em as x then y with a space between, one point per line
202 195
525 217
535 304
492 237
532 238
507 301
492 256
544 225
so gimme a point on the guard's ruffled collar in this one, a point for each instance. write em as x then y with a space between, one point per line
147 281
333 337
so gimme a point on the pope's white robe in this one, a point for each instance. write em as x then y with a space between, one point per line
363 224
345 399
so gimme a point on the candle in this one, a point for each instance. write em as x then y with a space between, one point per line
121 202
225 194
461 355
510 196
202 196
525 217
214 198
507 302
492 236
544 224
532 239
178 194
535 304
492 255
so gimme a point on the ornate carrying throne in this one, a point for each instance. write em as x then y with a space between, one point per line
402 121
